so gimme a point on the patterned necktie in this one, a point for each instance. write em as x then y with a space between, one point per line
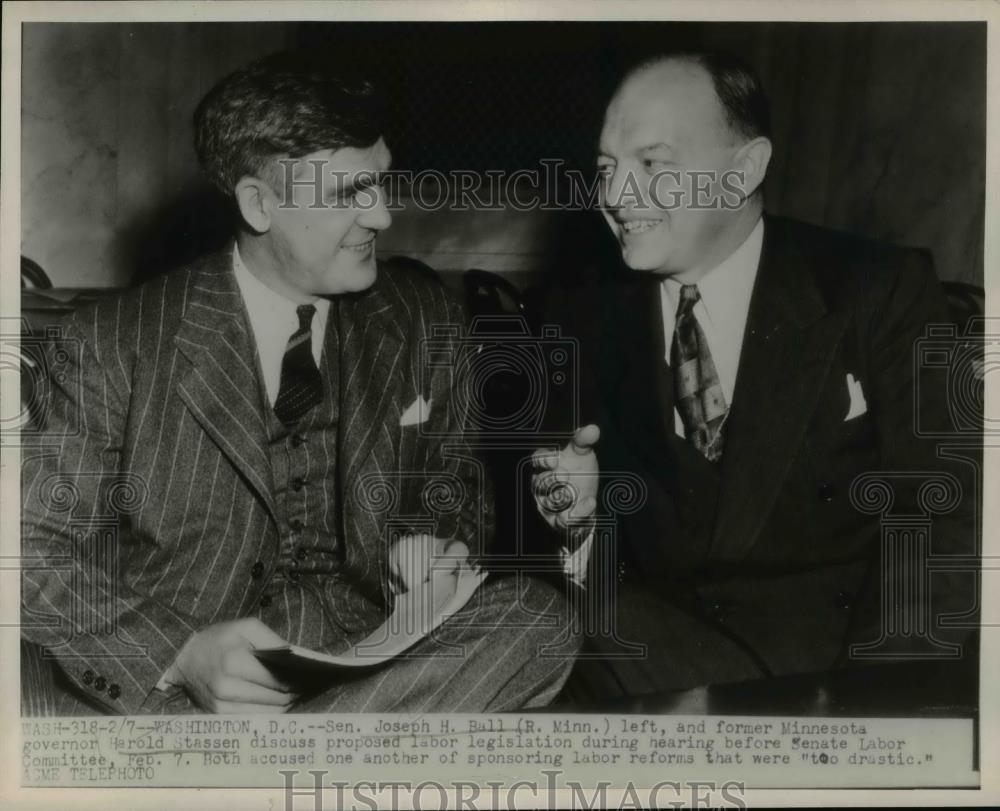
699 396
301 387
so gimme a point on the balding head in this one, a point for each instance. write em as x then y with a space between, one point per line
743 106
683 152
677 91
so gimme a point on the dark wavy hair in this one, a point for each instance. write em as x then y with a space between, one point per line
286 105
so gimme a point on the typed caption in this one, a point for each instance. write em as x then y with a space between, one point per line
274 751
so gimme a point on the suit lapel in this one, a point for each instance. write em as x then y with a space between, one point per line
370 375
220 385
788 347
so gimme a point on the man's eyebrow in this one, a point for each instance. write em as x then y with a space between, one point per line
660 146
364 179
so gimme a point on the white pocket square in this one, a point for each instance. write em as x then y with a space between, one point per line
418 412
858 405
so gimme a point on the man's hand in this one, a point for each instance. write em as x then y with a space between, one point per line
565 482
414 557
218 670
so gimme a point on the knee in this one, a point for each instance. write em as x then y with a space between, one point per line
544 611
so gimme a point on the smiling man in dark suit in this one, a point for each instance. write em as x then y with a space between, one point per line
268 410
747 368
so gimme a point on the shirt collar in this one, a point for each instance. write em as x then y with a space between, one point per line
249 283
273 319
262 302
726 289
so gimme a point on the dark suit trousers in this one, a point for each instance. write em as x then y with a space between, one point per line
681 651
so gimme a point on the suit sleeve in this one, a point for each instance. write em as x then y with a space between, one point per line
911 408
113 643
451 452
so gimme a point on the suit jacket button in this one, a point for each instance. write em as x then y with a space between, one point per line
301 553
296 524
298 440
88 677
842 600
100 684
826 492
298 482
114 691
621 572
257 570
265 601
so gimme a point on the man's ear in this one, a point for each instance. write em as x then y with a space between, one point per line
254 198
752 159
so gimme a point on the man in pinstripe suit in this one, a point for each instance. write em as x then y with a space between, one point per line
237 445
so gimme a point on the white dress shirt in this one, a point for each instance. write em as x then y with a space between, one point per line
273 320
722 313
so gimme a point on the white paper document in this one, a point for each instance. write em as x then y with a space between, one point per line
415 615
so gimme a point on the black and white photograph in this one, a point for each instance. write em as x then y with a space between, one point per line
401 398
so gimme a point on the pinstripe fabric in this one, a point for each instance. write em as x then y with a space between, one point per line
508 649
168 402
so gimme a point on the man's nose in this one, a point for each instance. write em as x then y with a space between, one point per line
613 188
376 216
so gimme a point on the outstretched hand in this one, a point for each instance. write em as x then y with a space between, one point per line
564 482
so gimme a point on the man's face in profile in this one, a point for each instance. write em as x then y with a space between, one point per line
663 124
325 223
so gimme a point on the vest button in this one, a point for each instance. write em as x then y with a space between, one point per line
826 492
298 440
301 553
298 482
257 570
265 601
296 524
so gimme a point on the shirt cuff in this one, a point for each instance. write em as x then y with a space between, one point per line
575 563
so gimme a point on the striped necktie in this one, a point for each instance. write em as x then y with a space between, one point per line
301 387
699 397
